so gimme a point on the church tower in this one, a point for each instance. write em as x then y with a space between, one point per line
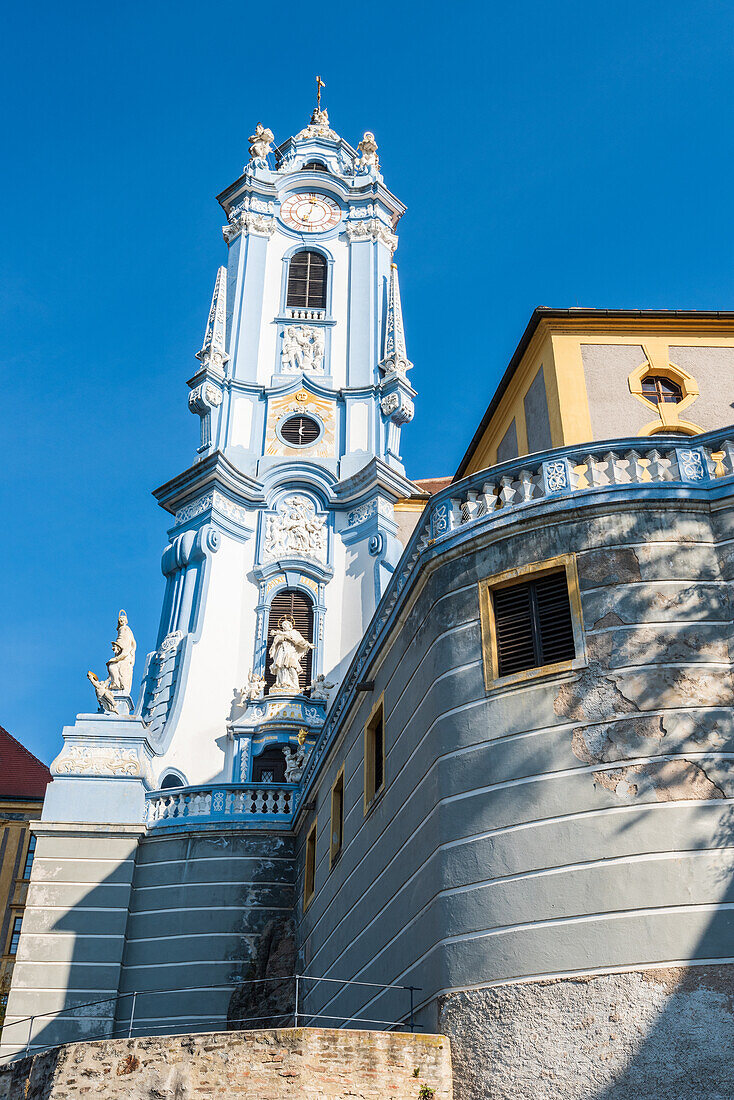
286 514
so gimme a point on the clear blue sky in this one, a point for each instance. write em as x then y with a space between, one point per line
549 153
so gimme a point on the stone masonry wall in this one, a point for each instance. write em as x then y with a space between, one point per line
315 1063
657 1034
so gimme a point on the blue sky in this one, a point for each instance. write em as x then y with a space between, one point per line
549 153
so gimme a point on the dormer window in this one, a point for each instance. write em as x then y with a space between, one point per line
315 166
307 281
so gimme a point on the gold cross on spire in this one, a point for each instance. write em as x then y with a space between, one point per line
319 85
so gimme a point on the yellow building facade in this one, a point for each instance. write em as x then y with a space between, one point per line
23 781
584 375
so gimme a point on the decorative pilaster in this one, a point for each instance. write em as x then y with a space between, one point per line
213 354
396 401
206 385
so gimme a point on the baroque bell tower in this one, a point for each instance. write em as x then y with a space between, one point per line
285 518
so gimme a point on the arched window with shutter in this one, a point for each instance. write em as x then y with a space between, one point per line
295 605
307 281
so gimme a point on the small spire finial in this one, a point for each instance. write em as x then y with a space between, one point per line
319 85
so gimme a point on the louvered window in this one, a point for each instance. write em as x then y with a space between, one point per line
294 605
307 281
533 624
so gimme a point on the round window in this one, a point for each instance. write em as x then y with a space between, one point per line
300 431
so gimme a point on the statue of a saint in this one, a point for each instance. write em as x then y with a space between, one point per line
288 649
368 159
120 665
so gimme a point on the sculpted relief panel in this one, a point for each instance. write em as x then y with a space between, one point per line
303 349
295 530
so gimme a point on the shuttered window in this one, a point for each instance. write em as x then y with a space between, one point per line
533 624
294 605
307 281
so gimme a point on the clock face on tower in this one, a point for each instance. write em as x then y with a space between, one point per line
309 212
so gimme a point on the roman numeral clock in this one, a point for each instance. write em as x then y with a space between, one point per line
310 212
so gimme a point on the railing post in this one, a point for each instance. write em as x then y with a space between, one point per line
295 1013
132 1015
30 1033
412 1025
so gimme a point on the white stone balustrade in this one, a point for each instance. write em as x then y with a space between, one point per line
186 803
576 471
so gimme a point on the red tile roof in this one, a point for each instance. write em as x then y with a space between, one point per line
434 484
21 774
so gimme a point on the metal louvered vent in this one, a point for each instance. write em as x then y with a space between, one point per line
300 431
307 281
533 624
293 604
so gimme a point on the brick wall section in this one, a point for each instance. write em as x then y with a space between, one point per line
307 1063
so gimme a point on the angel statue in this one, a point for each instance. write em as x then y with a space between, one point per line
320 688
288 648
260 142
105 698
254 689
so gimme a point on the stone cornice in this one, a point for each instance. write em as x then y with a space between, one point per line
375 475
215 472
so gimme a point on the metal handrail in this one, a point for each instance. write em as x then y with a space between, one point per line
299 1011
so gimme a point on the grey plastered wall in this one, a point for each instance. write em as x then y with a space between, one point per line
613 409
537 422
200 902
73 934
615 412
713 370
507 446
576 822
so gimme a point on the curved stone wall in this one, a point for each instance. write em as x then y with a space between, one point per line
202 906
570 825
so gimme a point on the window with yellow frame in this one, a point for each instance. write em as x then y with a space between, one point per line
309 873
374 754
531 622
666 389
337 818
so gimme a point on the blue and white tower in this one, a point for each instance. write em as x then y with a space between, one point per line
287 510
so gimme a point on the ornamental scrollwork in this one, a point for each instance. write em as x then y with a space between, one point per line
85 760
248 222
373 229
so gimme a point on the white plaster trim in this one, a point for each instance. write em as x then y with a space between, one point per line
189 885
